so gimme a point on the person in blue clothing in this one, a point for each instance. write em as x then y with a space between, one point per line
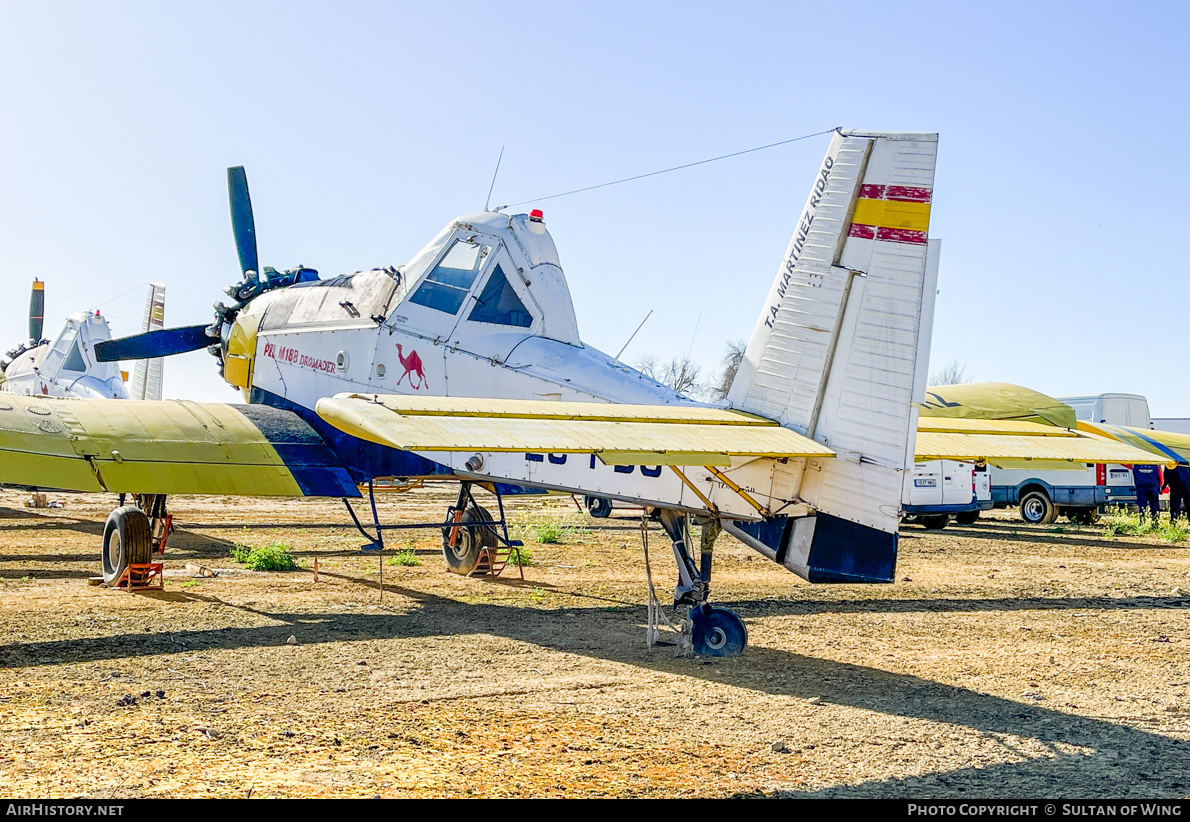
1147 479
1178 480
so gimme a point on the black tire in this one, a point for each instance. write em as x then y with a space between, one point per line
934 522
462 558
127 540
598 507
1037 508
724 635
1082 516
966 517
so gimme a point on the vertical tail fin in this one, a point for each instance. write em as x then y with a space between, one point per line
835 353
147 374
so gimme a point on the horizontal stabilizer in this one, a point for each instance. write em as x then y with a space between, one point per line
618 434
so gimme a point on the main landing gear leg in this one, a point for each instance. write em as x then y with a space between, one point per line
161 522
713 631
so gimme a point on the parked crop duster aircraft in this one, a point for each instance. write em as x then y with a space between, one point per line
466 363
1007 402
68 367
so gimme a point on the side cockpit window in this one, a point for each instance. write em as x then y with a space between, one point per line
499 304
448 284
74 360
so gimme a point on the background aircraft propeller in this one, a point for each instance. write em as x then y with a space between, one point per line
37 311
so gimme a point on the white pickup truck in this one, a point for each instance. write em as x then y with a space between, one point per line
937 490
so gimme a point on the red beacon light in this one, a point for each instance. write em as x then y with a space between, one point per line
536 216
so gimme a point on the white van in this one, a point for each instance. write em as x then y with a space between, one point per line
939 489
1178 425
1043 496
1114 409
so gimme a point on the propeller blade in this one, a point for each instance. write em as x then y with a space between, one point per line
160 343
37 311
242 224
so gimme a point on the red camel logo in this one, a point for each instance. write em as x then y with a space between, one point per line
412 365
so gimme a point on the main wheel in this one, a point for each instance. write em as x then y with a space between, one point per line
934 522
462 557
966 517
1037 508
598 507
127 540
723 635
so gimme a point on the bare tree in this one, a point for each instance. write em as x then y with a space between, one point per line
679 373
733 355
953 373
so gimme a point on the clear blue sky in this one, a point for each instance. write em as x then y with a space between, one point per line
367 126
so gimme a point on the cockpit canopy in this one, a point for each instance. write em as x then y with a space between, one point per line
483 274
488 271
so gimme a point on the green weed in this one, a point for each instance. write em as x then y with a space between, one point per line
1177 530
525 557
275 557
404 557
1129 524
551 531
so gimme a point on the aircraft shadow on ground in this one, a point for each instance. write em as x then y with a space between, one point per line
57 524
1047 535
1132 761
42 573
182 546
765 607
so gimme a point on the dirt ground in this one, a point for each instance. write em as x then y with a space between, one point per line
1006 661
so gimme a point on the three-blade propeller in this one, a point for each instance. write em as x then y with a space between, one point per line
168 341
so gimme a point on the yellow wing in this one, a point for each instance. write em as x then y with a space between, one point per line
1168 446
170 446
1015 427
179 447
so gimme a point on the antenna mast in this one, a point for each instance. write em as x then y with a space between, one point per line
488 201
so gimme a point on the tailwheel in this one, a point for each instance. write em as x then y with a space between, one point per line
717 632
127 540
461 544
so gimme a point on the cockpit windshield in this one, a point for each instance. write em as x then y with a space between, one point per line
448 284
